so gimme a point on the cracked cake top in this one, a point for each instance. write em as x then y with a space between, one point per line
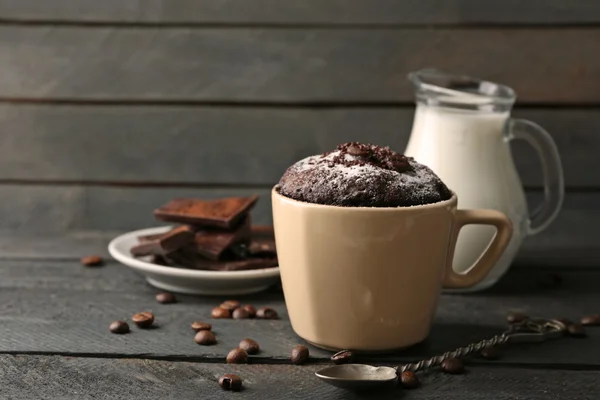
362 175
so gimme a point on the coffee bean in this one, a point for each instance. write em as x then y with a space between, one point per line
237 356
591 320
230 305
240 313
453 366
249 346
119 327
219 312
299 354
342 357
250 310
165 298
515 317
201 326
491 353
143 320
92 261
231 382
409 380
576 330
205 338
266 313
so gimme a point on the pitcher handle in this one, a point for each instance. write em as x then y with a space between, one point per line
554 183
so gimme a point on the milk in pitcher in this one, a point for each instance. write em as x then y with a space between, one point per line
461 130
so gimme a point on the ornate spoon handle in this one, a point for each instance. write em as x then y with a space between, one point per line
460 352
526 331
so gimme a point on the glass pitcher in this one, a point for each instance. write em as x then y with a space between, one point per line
461 130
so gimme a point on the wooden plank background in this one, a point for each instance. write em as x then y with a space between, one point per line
329 12
109 108
544 65
91 215
235 145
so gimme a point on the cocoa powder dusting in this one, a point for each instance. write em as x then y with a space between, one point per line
362 175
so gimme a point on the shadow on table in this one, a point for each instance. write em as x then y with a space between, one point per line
542 282
443 337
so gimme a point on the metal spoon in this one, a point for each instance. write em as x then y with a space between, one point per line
357 376
362 376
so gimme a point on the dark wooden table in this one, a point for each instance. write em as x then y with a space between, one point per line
55 343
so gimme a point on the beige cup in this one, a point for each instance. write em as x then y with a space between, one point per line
368 279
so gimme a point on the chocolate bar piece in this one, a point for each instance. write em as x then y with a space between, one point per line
262 244
165 243
263 241
195 261
223 213
150 238
262 247
159 260
263 231
211 243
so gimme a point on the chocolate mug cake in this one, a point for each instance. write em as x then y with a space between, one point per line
362 175
365 238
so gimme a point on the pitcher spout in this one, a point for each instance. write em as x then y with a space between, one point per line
434 87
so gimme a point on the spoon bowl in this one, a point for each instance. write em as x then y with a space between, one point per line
357 376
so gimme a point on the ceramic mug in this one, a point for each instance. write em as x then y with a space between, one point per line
367 278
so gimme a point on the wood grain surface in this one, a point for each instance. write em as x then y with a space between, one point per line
237 145
63 308
67 246
43 210
329 12
27 377
289 65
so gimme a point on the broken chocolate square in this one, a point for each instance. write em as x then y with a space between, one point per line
159 260
211 243
150 238
165 243
262 247
263 231
223 213
195 261
262 244
263 241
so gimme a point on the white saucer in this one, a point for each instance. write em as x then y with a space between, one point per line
190 281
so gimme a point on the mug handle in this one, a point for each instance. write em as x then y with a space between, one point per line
479 270
554 181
